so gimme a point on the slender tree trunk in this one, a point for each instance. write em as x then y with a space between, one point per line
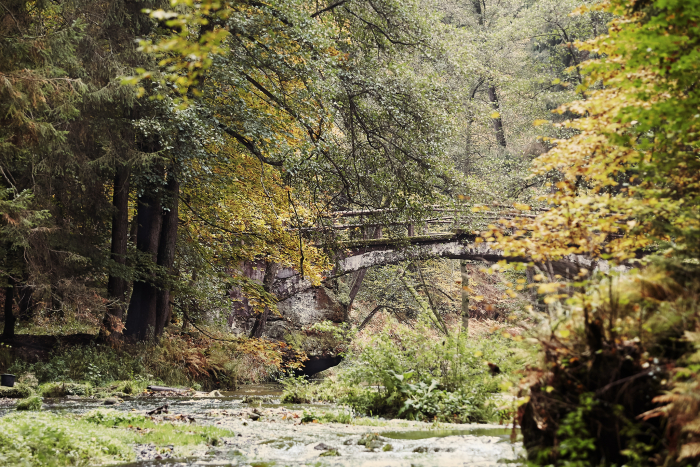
8 331
261 318
26 305
497 122
141 319
117 286
465 296
166 253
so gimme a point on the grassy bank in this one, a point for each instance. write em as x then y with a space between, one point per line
100 437
212 361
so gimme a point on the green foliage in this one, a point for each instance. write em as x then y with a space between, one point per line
407 373
577 443
99 437
178 360
30 403
296 389
18 391
65 389
48 440
113 418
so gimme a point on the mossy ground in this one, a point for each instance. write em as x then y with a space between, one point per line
100 437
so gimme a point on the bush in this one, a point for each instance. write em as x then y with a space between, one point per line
30 403
411 373
608 354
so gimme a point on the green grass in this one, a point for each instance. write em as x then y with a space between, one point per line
100 437
30 403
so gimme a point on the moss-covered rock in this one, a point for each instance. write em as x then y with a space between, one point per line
19 391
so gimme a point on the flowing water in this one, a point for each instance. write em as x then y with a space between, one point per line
266 433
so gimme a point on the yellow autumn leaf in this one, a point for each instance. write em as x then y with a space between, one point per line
495 115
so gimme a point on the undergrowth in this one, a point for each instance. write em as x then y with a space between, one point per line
176 360
409 373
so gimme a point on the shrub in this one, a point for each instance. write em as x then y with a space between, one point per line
608 354
410 373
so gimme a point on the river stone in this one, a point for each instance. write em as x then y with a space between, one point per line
420 449
215 393
374 444
322 447
111 401
367 438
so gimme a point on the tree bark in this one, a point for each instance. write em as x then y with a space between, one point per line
497 122
141 318
465 295
166 253
117 286
261 318
8 331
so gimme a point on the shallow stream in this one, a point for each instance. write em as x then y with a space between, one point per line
266 433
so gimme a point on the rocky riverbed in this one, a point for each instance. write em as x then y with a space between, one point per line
265 433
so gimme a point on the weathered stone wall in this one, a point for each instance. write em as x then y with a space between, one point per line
296 312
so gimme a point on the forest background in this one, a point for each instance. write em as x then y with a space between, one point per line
145 155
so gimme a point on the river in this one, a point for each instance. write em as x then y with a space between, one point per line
267 433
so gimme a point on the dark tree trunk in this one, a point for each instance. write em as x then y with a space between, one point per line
166 253
261 318
464 273
8 331
117 286
141 318
497 122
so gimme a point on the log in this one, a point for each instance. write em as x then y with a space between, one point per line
164 389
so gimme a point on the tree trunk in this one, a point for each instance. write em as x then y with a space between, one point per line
497 122
465 296
261 318
141 318
117 286
8 331
166 253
